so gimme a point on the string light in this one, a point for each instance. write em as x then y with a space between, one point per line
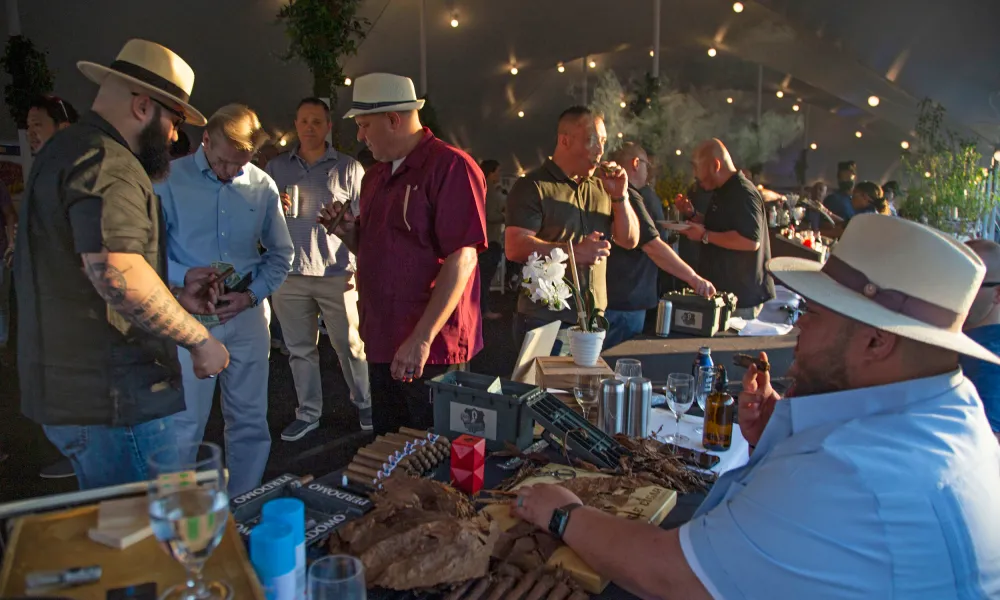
813 145
905 145
561 68
873 100
737 7
620 135
454 22
513 70
795 107
652 53
347 81
857 134
996 156
779 94
622 104
520 114
729 100
592 64
282 142
678 152
712 52
927 174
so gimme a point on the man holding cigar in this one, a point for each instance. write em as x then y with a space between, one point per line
218 210
421 225
563 202
321 281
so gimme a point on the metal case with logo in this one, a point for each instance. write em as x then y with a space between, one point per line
464 404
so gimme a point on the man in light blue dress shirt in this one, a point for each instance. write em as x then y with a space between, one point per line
322 277
220 208
878 477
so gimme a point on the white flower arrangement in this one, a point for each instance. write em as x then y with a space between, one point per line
544 280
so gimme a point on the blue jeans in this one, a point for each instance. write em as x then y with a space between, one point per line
624 325
104 456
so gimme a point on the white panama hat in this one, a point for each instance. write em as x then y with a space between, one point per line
153 67
383 92
898 276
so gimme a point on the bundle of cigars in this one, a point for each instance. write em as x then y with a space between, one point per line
408 451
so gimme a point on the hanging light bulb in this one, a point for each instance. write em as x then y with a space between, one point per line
561 68
905 145
520 114
592 64
779 94
873 100
927 174
996 155
712 52
857 134
678 152
737 7
813 145
454 22
282 142
795 107
622 104
729 100
652 53
620 135
513 70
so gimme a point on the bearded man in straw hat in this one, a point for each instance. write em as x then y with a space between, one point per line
421 225
878 477
99 329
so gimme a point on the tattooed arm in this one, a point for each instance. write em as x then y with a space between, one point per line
130 286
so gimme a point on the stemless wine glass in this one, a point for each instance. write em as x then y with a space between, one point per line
680 397
337 577
188 510
703 381
585 392
627 368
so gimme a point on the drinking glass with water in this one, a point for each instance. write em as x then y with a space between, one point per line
188 511
585 393
337 577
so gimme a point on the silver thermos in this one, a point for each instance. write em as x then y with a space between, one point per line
611 408
640 401
664 313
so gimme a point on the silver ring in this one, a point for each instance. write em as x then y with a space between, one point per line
520 501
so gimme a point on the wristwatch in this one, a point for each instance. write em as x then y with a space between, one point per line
253 298
704 238
560 519
617 200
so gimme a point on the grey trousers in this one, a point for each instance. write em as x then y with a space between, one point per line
298 303
244 398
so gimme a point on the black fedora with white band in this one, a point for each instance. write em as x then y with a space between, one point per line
898 276
154 68
381 93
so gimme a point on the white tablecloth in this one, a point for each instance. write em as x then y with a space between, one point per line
735 457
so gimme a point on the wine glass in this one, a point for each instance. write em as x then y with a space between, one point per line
680 397
585 392
188 510
703 379
337 577
627 368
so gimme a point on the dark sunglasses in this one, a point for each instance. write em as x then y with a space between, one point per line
989 284
177 122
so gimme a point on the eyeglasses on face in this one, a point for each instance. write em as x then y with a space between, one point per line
179 117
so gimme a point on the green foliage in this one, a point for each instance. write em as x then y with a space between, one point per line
943 175
593 316
671 181
320 34
29 77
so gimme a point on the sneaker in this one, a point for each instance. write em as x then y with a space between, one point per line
297 430
365 415
60 469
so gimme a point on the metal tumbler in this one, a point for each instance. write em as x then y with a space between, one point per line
293 193
611 409
639 391
664 313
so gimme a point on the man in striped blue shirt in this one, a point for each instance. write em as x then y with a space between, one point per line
218 208
322 277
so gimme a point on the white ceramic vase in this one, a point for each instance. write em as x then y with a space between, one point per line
586 346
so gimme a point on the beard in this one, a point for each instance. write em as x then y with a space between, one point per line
154 149
824 371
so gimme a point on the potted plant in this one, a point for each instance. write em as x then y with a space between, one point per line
545 280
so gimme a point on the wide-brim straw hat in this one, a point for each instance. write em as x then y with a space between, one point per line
154 68
381 93
898 276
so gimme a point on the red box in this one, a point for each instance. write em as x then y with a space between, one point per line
468 461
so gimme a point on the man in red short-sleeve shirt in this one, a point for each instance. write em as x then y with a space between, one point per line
421 226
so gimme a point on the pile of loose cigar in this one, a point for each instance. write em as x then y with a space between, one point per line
510 583
408 451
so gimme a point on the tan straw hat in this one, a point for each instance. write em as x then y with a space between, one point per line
898 276
153 67
383 92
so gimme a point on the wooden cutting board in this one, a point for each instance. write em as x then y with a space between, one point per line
58 540
650 504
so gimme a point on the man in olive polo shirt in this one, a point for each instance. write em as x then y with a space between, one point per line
563 202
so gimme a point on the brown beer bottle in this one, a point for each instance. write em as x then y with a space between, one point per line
719 410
